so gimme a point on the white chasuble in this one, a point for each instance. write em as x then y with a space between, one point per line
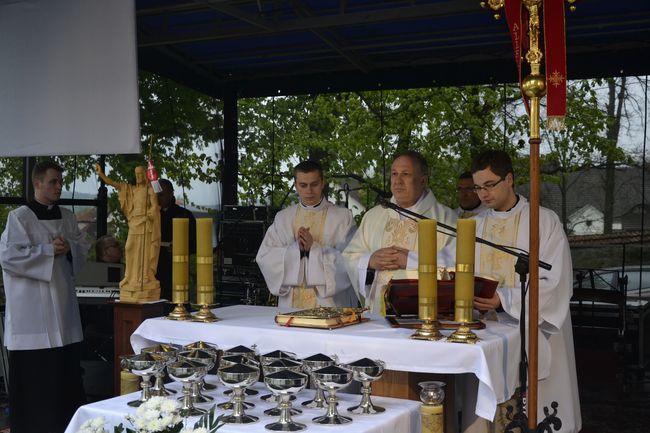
41 301
557 371
321 273
377 231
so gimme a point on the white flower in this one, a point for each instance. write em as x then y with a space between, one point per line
197 430
158 414
169 405
95 425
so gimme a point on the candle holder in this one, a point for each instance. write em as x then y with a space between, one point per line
205 315
431 411
179 313
463 315
427 331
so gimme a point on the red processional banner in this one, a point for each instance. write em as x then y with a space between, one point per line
554 53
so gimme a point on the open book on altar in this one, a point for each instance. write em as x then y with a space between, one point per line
401 297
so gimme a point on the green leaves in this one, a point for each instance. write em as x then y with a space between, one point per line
209 421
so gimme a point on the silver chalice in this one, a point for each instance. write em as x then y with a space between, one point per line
206 358
188 373
210 348
238 377
366 371
310 364
276 367
144 365
331 379
168 354
285 383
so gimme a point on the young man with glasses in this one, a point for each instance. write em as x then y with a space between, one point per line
506 223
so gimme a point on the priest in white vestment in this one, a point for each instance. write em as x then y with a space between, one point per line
385 245
40 250
300 256
507 223
468 202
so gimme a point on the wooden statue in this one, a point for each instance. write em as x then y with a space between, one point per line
139 204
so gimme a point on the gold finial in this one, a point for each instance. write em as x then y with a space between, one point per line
495 5
572 6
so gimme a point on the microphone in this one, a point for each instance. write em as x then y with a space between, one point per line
402 211
361 179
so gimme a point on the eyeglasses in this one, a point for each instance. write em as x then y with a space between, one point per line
488 186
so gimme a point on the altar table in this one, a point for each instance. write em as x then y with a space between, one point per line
401 416
494 360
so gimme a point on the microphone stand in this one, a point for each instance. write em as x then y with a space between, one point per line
518 420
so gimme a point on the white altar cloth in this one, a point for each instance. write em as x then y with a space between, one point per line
494 360
401 416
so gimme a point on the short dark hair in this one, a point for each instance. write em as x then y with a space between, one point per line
101 244
465 175
307 167
416 158
42 167
165 183
496 160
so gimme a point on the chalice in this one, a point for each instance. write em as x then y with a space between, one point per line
249 352
188 373
275 367
238 377
332 379
206 358
228 361
310 364
144 365
167 352
285 383
210 348
366 371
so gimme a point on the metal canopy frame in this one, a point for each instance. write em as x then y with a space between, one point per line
270 47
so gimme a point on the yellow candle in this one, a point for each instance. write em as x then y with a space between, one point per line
427 275
204 267
180 260
465 249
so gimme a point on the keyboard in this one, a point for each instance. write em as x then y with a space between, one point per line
98 292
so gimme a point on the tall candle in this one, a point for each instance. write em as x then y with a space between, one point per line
465 249
204 267
180 260
427 275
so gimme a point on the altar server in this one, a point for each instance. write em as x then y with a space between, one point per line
40 250
507 223
300 256
386 242
468 202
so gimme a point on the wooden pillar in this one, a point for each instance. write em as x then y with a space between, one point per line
230 150
126 319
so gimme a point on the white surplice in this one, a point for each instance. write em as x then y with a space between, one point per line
557 371
462 213
382 227
42 310
283 269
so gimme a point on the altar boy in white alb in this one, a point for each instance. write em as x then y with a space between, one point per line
506 222
40 249
300 256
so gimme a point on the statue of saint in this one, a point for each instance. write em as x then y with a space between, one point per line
139 204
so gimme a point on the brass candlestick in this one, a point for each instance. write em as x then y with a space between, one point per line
204 295
427 282
464 281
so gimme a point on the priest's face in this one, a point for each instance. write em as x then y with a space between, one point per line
495 191
309 186
47 190
407 182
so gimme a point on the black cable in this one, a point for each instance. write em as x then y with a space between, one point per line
645 136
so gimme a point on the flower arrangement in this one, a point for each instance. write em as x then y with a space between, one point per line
157 415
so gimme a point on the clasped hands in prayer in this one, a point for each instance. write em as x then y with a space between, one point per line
389 259
61 246
305 239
